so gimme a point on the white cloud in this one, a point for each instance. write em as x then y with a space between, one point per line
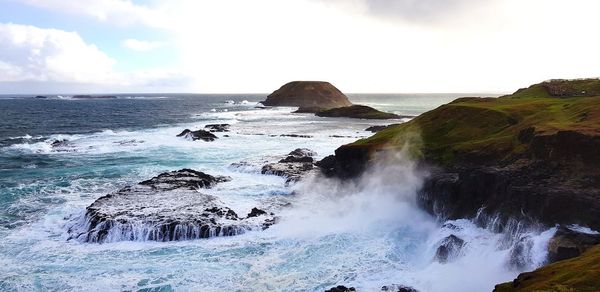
121 12
31 57
359 45
31 53
142 46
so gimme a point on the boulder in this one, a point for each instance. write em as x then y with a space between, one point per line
313 94
358 112
197 135
168 207
341 288
218 127
293 167
449 248
569 243
398 288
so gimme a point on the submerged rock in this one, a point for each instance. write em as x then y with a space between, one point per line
398 288
62 145
168 207
341 288
314 94
449 248
568 243
197 135
218 127
520 254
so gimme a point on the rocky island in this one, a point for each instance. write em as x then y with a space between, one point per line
324 100
530 157
308 94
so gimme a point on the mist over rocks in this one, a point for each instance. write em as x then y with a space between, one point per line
308 94
168 207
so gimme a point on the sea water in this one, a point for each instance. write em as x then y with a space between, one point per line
364 234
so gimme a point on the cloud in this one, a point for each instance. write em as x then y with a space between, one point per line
38 58
31 53
120 12
142 46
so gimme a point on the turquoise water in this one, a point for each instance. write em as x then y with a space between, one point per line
365 235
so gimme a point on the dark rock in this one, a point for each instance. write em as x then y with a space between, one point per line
59 143
568 243
398 288
62 145
294 166
294 159
197 135
449 248
40 96
327 165
307 94
303 152
357 112
184 178
165 208
218 127
255 212
292 171
341 288
375 129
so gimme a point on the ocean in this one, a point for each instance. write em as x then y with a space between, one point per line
365 234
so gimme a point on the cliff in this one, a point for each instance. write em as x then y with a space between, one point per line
532 155
308 94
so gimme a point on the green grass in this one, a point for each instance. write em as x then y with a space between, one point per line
489 127
578 274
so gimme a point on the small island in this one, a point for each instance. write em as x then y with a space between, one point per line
324 100
308 94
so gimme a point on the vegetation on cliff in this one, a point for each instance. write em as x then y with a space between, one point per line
578 274
498 129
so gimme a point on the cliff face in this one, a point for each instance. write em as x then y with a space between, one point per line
532 155
315 94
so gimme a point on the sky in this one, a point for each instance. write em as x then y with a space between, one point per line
242 46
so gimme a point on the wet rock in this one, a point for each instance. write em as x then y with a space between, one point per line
218 127
398 288
294 166
168 207
449 248
40 96
520 254
132 142
255 212
569 243
341 288
184 178
327 165
295 136
62 145
197 135
292 171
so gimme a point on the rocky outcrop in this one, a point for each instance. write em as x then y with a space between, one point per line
168 207
315 94
449 249
568 243
218 127
398 288
197 135
341 288
293 167
357 112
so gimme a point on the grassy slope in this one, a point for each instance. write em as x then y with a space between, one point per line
489 127
578 274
